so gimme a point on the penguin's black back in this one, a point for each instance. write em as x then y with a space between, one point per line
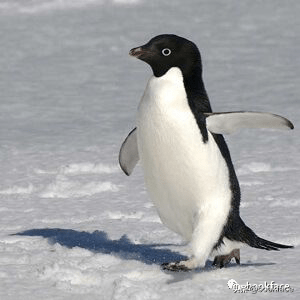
199 103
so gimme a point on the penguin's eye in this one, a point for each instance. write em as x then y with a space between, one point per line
166 52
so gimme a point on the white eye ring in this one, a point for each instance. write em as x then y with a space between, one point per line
166 52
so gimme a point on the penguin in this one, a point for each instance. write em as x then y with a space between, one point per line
188 171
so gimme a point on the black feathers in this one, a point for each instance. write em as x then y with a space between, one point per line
249 237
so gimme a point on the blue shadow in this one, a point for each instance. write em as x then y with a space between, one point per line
99 242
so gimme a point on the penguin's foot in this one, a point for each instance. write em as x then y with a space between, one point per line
182 266
223 260
176 266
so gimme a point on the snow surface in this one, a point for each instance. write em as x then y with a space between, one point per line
73 226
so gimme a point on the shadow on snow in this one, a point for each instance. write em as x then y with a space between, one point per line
99 242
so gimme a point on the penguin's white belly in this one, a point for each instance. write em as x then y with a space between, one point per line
185 177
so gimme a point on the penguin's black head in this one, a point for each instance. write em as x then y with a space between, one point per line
166 51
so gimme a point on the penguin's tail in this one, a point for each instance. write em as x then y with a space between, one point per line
250 238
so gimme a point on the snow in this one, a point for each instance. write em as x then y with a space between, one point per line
72 224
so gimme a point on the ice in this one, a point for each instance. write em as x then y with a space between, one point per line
46 6
84 168
18 190
253 167
73 226
64 188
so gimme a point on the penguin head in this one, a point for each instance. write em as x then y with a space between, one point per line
166 51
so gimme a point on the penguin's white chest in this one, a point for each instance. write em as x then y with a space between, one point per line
185 177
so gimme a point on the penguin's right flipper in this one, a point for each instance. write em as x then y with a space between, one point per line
229 122
129 153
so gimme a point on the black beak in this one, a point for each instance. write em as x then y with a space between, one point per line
141 52
136 52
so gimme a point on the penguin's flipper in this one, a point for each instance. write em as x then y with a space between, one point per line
129 154
229 122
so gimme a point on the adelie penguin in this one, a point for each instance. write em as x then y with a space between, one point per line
187 166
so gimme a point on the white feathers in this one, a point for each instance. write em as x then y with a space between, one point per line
187 180
226 247
229 122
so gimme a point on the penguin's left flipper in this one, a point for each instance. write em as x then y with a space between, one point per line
223 260
129 153
229 122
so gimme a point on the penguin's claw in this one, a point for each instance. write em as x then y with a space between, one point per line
223 260
176 266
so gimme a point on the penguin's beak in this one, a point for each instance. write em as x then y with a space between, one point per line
141 52
136 52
